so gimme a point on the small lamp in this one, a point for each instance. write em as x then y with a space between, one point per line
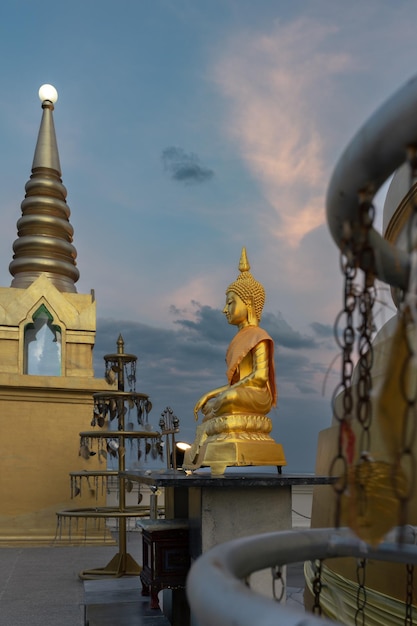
180 449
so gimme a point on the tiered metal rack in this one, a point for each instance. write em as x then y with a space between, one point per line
114 406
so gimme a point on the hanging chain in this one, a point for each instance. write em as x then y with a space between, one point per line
366 327
366 299
278 583
408 619
317 588
360 593
346 342
356 251
130 373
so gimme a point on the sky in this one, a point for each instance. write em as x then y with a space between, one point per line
186 130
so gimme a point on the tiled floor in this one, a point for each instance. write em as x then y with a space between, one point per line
41 587
119 601
295 586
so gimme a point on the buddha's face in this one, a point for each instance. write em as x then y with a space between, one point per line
235 310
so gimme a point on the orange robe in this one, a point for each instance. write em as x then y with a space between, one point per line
254 344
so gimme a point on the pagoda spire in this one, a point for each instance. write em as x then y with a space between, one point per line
44 243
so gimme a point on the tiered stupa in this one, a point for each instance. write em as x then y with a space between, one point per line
47 334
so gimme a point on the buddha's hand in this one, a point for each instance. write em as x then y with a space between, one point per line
200 405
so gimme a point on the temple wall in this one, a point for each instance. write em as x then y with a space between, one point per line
41 416
389 579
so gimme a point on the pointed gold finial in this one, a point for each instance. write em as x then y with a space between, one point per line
244 263
44 233
120 344
247 288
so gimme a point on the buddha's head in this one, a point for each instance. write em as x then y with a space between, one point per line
250 292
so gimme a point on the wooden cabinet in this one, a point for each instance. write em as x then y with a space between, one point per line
165 558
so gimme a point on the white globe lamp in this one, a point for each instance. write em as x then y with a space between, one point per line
48 92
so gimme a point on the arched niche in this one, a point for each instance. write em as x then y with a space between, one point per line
42 345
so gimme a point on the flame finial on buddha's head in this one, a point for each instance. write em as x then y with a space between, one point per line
247 288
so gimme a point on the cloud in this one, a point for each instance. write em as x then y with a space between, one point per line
296 426
176 365
195 348
284 335
276 83
322 330
185 167
300 373
208 324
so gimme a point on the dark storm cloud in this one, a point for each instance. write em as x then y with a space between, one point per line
174 366
306 389
297 423
209 324
185 167
299 370
180 358
177 365
282 333
157 348
322 330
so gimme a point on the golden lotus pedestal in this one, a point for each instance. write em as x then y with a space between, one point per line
234 440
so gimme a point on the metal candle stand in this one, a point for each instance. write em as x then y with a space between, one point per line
107 407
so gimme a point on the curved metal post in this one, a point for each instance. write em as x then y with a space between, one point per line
216 587
375 152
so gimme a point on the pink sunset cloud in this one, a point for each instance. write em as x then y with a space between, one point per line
275 84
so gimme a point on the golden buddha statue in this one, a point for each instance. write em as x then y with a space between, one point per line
235 428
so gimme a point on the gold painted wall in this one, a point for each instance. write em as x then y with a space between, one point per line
41 416
389 579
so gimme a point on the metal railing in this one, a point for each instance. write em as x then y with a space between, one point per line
386 141
217 588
